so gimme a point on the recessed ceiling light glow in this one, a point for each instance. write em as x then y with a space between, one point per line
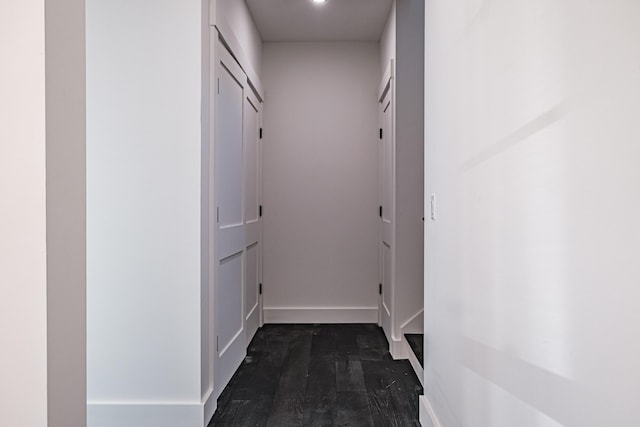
319 1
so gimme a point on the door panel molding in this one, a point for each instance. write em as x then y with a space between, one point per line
229 343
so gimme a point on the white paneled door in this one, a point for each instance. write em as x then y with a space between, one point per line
230 231
252 213
387 202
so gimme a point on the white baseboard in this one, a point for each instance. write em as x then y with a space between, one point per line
415 363
151 414
415 325
210 405
320 315
252 322
397 349
428 417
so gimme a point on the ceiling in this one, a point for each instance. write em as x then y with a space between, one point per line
335 20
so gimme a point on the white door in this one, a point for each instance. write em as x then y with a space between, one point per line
252 212
387 202
230 229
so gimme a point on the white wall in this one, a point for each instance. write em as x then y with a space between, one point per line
239 19
320 179
388 40
206 243
401 41
66 212
23 264
144 201
532 146
409 93
42 266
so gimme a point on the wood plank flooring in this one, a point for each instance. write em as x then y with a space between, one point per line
320 375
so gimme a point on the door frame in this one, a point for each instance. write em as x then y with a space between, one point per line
253 98
221 38
387 90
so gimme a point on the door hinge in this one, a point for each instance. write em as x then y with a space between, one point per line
380 211
260 133
218 85
380 288
380 133
217 344
260 289
217 214
260 211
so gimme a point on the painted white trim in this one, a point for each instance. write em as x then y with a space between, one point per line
212 13
415 325
385 82
231 41
210 404
428 416
320 314
254 97
385 320
145 414
397 349
252 320
225 57
387 316
252 311
415 363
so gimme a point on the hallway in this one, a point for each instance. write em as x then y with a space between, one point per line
178 175
311 375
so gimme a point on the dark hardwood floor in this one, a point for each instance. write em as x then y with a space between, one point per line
320 375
